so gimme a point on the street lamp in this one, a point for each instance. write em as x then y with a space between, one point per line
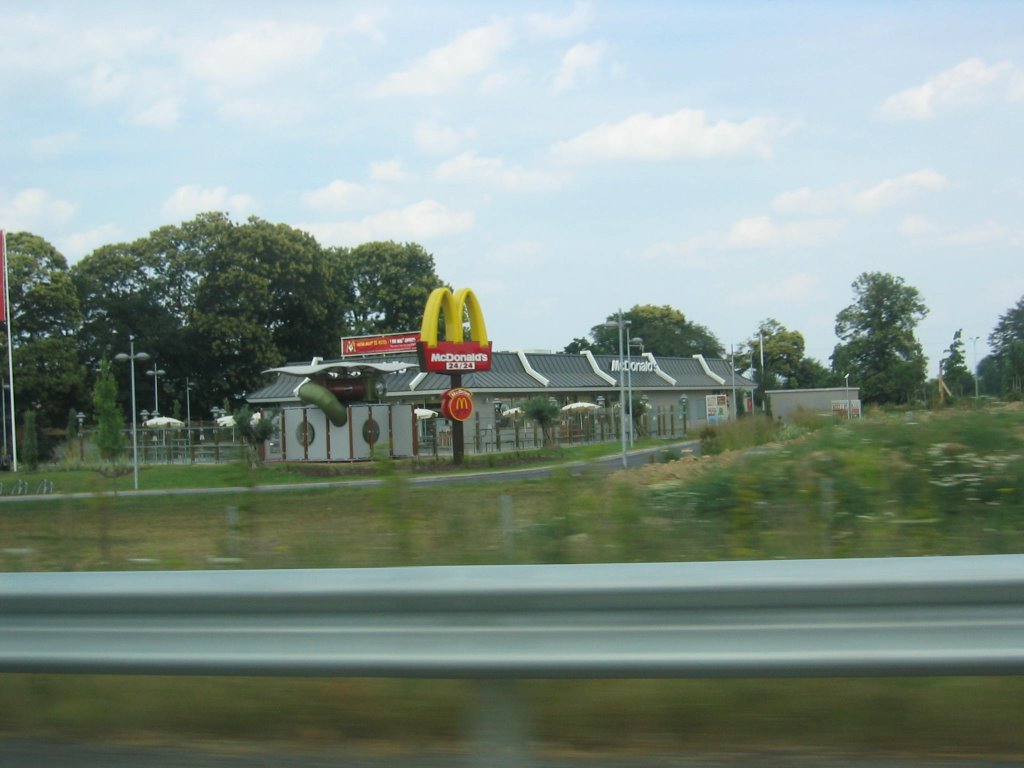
188 411
636 341
621 324
156 373
975 340
849 410
142 357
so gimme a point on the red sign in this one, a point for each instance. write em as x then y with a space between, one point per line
457 404
455 356
379 345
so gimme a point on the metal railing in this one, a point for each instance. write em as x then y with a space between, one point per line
906 616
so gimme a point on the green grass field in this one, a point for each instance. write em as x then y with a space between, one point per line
893 485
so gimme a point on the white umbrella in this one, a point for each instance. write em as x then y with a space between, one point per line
578 407
163 421
226 421
513 412
424 413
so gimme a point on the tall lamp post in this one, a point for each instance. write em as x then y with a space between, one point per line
849 409
131 357
621 324
156 373
975 340
636 341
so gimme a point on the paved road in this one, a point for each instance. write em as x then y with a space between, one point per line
39 754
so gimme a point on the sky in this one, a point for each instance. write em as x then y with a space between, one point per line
737 161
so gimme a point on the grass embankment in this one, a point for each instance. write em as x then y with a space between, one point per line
950 483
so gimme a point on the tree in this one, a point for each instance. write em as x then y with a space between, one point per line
541 410
665 331
109 418
878 349
1007 342
391 284
45 319
255 430
781 352
954 367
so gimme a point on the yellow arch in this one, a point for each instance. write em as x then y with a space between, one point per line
442 300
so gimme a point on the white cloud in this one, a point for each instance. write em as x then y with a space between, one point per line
160 114
33 210
191 199
792 288
102 84
78 244
442 69
469 168
546 25
892 191
53 145
843 197
685 133
915 226
255 53
366 24
967 82
389 170
337 196
437 139
985 234
420 221
578 61
763 232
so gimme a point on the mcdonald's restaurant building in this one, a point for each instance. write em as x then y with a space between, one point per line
676 395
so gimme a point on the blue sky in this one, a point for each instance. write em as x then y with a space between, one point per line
737 161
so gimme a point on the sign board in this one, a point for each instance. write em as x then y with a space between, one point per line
839 408
379 345
457 404
718 408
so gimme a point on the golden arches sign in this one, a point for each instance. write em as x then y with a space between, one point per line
454 355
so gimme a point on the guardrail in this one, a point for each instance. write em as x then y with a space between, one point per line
905 616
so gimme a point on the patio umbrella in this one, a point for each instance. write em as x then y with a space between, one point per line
226 421
579 407
424 413
163 421
513 412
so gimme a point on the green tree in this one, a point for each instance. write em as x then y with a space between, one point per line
1007 342
544 412
255 430
781 351
954 367
665 331
45 319
390 284
878 349
109 418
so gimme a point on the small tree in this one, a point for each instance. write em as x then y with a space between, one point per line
255 429
109 419
544 412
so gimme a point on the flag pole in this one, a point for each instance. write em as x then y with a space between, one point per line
10 355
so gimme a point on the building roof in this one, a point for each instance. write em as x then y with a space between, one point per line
537 372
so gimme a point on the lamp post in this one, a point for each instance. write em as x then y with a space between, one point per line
3 402
188 411
849 413
621 325
156 373
975 340
634 342
131 357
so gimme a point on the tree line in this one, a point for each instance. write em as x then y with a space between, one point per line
215 302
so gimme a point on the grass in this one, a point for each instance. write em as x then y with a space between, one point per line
927 483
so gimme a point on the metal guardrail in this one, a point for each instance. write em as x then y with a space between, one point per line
905 616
